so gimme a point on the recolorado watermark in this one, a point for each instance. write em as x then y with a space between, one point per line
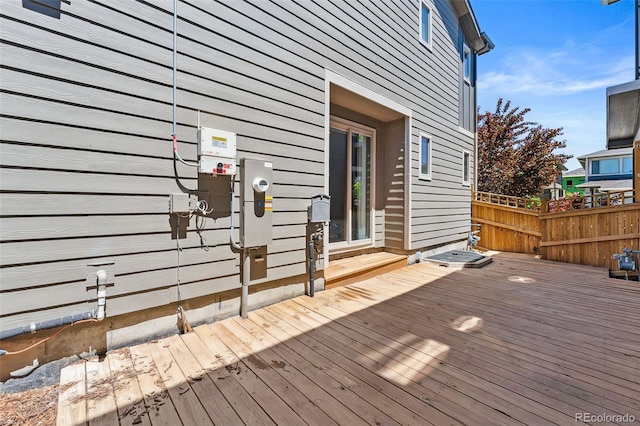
604 418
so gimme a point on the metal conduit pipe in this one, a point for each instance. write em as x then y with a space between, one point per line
174 89
246 273
97 314
312 269
245 259
175 67
45 325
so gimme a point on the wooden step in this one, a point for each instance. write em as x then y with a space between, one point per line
358 268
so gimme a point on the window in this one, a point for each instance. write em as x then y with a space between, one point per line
569 182
425 156
602 167
50 8
466 164
466 85
466 63
425 24
612 166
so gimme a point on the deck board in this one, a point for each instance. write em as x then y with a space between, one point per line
520 341
101 404
161 411
183 398
353 269
244 405
498 372
302 396
365 413
209 395
129 398
72 407
269 401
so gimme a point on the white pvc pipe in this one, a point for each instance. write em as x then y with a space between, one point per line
102 293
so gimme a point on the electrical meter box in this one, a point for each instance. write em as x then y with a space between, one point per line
217 151
256 201
320 209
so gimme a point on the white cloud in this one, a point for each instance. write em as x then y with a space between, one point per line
567 71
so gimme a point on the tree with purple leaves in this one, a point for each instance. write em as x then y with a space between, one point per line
516 157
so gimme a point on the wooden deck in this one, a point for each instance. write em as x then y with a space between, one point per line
354 269
520 341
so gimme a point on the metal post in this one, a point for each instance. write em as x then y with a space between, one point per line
246 277
312 269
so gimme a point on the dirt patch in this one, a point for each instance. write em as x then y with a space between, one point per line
32 407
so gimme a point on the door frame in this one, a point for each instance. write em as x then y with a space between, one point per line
332 77
353 127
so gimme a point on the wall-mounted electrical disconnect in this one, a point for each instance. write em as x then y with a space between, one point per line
217 151
181 203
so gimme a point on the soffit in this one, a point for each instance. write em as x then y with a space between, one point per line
623 114
350 100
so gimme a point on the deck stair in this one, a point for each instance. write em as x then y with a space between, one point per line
352 269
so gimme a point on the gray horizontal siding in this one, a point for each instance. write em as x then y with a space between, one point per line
85 132
86 164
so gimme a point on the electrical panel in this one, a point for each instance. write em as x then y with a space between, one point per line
256 201
217 151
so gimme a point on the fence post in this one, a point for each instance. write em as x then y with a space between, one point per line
544 205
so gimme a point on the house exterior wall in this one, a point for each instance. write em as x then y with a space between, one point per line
86 154
616 155
440 207
575 180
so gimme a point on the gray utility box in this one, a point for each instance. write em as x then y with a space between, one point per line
319 210
256 202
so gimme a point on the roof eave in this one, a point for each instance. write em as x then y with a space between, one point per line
478 40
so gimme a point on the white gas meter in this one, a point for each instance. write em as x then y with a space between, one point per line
217 151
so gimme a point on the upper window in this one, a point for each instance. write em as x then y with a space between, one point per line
466 166
425 156
611 166
466 85
425 24
466 63
569 182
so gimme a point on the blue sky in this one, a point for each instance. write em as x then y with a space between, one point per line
557 57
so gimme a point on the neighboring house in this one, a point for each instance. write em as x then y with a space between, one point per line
608 170
572 178
623 117
370 102
555 190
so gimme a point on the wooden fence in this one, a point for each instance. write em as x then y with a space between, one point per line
589 233
590 236
506 227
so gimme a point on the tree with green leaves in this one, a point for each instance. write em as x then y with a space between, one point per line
516 157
